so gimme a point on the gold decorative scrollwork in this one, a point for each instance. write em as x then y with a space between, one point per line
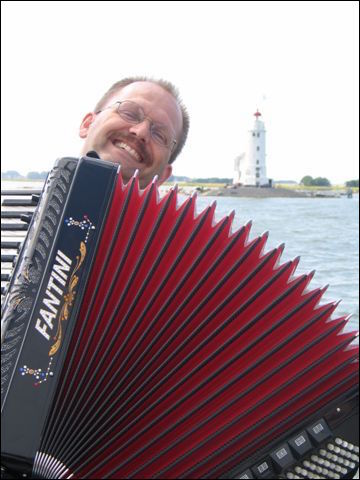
69 298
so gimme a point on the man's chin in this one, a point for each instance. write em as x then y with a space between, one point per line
127 172
108 157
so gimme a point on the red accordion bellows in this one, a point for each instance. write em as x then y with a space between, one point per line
192 349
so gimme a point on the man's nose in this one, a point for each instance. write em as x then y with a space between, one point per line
141 130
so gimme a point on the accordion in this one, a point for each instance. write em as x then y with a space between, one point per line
143 339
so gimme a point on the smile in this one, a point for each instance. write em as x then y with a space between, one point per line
131 151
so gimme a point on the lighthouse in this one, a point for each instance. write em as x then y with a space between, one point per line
250 168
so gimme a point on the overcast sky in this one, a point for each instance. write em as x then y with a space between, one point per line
295 61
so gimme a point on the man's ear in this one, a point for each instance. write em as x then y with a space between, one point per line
85 124
165 174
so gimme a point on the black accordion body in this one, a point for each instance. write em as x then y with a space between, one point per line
145 340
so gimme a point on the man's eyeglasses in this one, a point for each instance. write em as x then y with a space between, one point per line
132 113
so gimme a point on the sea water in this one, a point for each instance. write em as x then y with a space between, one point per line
324 232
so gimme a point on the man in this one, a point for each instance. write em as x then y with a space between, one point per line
139 123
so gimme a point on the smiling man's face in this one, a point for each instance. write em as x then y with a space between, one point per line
131 145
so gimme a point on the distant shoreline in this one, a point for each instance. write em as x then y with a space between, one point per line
258 192
220 190
254 192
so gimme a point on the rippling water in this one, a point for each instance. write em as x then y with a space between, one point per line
324 232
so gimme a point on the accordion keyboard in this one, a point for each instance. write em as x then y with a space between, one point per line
17 208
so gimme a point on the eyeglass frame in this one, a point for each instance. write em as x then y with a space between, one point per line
145 117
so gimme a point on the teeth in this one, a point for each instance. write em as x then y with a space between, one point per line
132 152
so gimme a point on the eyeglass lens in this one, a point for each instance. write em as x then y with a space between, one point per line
133 113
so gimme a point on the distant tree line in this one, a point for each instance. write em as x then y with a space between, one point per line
352 183
309 181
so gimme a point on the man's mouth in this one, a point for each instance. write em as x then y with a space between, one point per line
124 146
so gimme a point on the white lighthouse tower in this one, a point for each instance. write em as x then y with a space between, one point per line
251 168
